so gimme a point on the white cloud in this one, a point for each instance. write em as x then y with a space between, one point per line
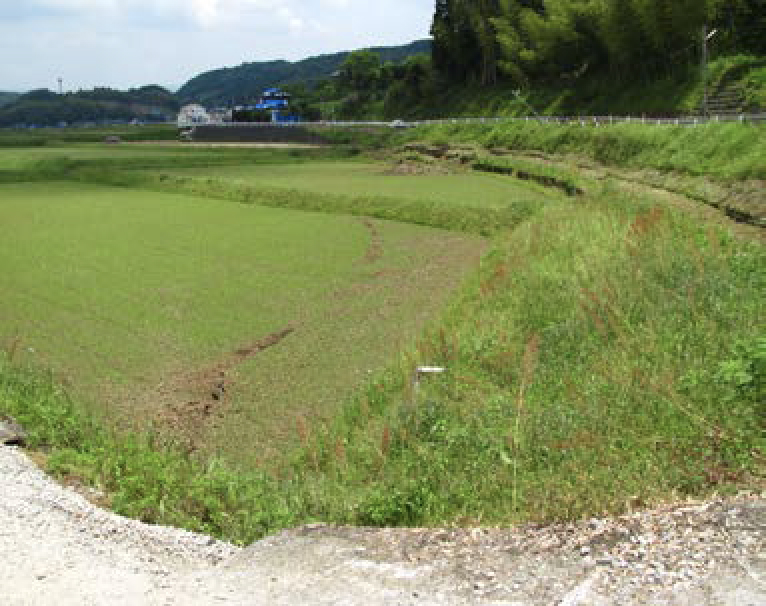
204 12
335 3
125 43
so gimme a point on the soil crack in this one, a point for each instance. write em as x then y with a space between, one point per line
375 249
195 397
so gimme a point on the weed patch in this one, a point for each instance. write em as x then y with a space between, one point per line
143 475
593 365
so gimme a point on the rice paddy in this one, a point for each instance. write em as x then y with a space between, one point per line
140 300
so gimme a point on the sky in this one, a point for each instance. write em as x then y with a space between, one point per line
131 43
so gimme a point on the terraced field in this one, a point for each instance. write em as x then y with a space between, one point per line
379 179
19 158
603 351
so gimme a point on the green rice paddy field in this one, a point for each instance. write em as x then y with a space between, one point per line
140 300
143 155
19 158
368 178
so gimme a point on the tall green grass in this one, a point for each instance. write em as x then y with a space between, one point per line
144 476
605 358
547 175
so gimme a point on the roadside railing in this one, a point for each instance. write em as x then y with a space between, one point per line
608 120
749 118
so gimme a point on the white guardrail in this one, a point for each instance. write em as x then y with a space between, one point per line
576 120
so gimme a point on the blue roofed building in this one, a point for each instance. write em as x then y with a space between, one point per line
273 99
272 106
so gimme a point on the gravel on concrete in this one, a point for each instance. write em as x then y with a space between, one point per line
56 548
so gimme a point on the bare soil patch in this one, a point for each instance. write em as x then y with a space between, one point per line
408 168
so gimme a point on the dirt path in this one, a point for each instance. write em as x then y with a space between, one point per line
375 248
57 549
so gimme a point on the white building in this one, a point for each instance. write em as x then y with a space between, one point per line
192 115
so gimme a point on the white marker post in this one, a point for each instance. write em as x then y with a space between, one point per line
419 372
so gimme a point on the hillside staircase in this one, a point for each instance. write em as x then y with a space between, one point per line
727 96
726 100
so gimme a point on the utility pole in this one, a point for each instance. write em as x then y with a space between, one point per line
705 37
704 71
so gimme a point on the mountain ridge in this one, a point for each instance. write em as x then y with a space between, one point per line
241 83
7 97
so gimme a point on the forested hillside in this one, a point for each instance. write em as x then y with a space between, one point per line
524 41
488 57
241 84
46 108
6 98
506 57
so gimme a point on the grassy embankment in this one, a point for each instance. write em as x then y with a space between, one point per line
44 137
608 354
61 160
721 165
722 151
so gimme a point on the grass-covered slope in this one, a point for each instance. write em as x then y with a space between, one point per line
607 355
724 151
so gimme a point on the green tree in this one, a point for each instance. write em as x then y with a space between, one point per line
622 34
456 47
742 25
360 73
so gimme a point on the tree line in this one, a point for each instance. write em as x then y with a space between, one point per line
43 107
524 41
548 44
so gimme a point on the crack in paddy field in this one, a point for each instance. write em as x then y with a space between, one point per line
193 398
375 249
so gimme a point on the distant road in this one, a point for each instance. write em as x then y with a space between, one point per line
576 120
